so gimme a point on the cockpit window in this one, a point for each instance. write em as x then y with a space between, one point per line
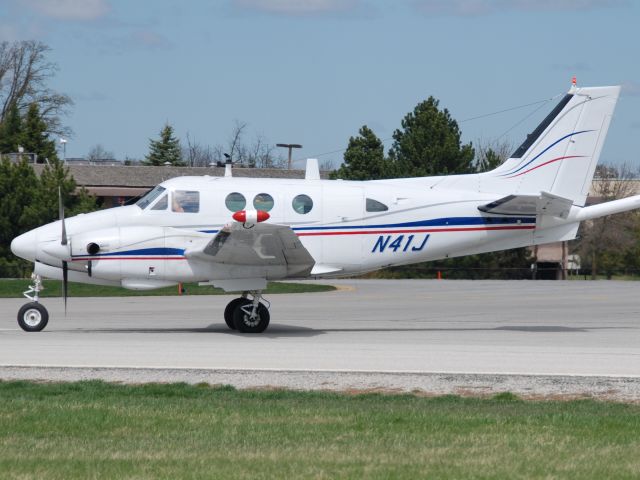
161 204
376 206
187 201
150 197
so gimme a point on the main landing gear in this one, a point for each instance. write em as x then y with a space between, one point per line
247 315
33 317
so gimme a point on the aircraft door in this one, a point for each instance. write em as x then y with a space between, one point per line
343 207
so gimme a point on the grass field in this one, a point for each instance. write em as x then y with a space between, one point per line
98 430
10 288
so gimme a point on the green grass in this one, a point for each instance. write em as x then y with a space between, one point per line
10 288
98 430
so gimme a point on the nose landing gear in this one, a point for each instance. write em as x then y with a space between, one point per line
33 317
247 316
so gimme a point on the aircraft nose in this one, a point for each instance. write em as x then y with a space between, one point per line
24 246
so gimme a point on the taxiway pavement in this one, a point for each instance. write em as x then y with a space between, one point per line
390 328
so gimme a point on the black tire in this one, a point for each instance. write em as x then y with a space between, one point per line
230 308
33 317
243 323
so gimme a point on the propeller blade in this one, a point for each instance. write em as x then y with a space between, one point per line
61 214
65 284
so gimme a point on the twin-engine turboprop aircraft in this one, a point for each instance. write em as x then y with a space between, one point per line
238 233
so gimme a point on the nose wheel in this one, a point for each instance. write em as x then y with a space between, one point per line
33 317
247 316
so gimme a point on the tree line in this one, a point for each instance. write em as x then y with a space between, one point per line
256 153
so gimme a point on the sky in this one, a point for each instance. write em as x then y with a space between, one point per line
314 71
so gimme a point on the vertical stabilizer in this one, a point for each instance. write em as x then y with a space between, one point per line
561 154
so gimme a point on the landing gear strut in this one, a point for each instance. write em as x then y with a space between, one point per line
247 315
33 317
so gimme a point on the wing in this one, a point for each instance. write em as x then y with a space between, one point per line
266 247
530 205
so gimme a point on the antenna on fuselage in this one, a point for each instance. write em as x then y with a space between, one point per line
227 166
313 171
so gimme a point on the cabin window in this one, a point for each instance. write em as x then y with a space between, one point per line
376 206
162 203
263 201
302 204
187 201
150 197
235 202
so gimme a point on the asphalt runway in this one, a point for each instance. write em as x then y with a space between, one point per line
371 334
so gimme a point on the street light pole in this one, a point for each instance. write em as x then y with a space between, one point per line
290 146
63 141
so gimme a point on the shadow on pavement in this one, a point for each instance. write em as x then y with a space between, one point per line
293 331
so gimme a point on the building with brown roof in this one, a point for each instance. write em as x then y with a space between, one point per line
115 185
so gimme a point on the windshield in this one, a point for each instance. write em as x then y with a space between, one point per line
150 197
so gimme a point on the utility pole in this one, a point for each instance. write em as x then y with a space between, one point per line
290 146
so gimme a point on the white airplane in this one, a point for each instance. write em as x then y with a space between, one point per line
238 233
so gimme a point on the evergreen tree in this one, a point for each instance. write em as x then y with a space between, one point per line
35 136
18 187
429 144
11 131
364 158
167 149
28 201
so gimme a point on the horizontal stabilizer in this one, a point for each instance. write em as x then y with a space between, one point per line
530 205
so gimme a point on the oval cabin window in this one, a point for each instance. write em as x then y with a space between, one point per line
263 201
235 202
302 204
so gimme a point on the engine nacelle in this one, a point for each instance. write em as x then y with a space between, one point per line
98 241
120 252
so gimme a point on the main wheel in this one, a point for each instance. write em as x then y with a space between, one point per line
230 308
244 323
32 317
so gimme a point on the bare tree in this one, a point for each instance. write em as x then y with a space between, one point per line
98 153
236 147
491 154
263 155
602 241
327 165
24 73
197 154
257 154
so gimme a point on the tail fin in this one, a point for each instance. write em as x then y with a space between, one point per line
561 154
